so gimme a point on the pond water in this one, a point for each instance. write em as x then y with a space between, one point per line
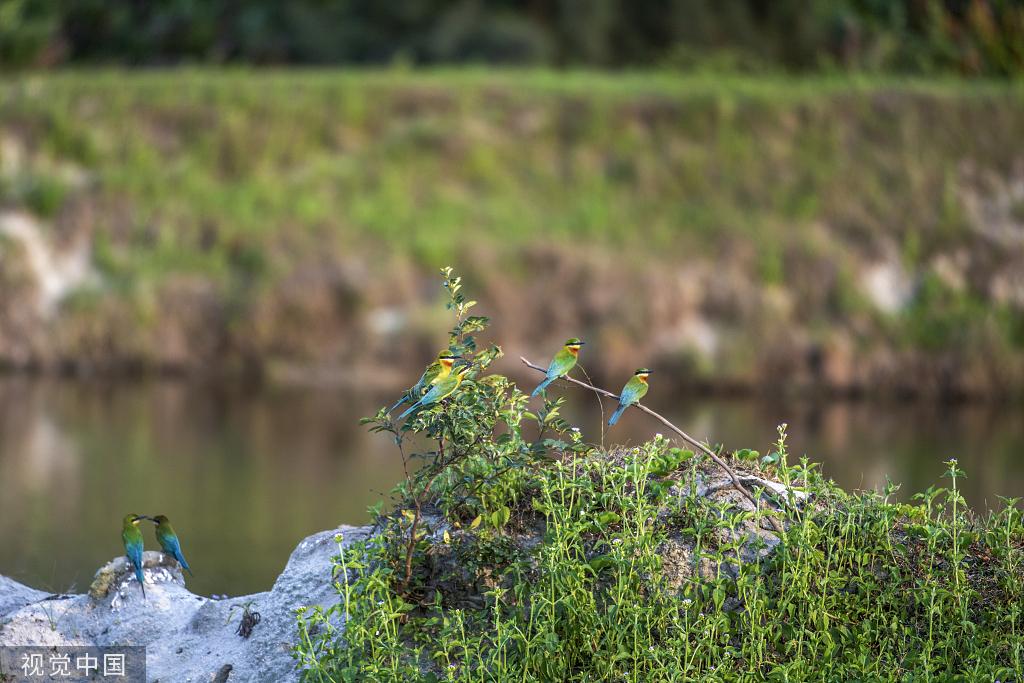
244 475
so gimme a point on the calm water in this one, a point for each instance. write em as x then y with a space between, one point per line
245 475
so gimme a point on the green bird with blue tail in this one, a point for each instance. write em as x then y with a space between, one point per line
169 541
134 546
561 364
441 390
437 370
634 390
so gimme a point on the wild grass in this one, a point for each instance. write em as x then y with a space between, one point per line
520 551
202 164
861 588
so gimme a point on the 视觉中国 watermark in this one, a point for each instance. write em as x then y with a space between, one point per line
73 664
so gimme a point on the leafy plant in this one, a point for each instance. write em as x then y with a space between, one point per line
517 551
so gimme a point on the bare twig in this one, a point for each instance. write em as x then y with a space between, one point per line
600 403
440 467
736 483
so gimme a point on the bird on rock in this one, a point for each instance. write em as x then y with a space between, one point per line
133 545
169 541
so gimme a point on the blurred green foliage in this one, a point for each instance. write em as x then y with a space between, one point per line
962 36
252 182
218 171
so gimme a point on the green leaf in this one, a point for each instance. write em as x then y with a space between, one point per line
500 517
601 562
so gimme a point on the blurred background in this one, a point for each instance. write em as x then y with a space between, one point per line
221 225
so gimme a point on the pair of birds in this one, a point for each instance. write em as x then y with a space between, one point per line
443 377
565 360
133 543
438 382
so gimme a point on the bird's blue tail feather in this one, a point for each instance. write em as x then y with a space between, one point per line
181 560
413 407
615 416
542 386
137 564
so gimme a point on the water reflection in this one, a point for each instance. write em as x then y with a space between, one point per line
244 475
242 478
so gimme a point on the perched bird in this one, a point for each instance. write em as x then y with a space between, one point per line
633 391
561 364
133 545
437 370
442 389
169 541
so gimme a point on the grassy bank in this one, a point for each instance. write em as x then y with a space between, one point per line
246 218
540 555
422 161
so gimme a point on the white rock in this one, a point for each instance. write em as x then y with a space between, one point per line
888 286
14 596
188 638
57 273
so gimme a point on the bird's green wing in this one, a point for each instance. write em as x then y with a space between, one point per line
441 389
427 378
562 363
634 390
131 536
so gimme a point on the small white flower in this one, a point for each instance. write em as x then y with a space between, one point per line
575 430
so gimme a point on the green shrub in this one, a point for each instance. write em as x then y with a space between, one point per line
40 193
45 196
519 551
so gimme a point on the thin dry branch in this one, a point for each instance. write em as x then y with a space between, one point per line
736 483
